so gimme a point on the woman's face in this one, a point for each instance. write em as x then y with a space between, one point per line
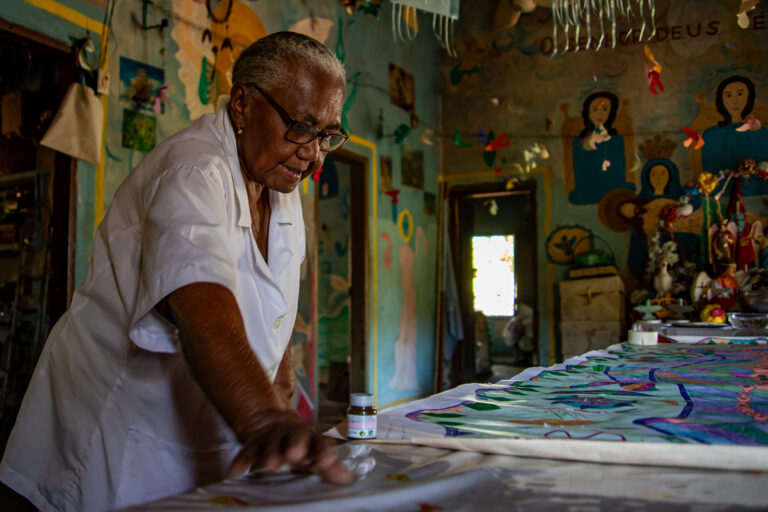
735 98
599 110
658 177
266 156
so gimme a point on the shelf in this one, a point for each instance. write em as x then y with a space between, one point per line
9 247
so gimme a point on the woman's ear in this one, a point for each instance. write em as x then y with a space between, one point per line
238 105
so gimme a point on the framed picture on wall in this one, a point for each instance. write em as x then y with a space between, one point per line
430 204
140 83
412 167
401 88
385 165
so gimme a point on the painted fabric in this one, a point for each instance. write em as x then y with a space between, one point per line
706 394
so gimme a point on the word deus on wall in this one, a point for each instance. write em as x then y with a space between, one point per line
673 33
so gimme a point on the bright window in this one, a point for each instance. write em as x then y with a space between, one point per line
493 259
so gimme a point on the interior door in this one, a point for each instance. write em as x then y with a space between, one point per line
340 227
491 339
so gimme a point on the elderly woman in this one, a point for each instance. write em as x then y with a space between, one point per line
169 370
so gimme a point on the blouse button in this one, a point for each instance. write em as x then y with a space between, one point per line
277 323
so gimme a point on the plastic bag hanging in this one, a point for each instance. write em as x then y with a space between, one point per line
444 14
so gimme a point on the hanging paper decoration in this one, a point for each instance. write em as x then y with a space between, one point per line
401 132
693 137
457 140
580 14
444 14
742 19
652 71
493 207
497 143
751 124
393 193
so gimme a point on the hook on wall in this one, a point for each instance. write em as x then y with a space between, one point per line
143 23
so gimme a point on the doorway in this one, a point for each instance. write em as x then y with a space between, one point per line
493 233
37 208
341 290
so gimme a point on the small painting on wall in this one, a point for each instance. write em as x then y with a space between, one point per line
401 88
140 83
385 165
138 131
412 167
430 204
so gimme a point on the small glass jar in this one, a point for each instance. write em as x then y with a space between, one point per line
361 416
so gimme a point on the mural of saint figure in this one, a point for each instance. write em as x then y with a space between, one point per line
599 155
660 178
735 137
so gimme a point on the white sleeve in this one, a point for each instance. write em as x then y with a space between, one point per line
186 239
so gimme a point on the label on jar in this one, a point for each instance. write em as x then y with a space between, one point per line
361 427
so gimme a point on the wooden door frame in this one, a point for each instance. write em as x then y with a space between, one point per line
64 184
463 360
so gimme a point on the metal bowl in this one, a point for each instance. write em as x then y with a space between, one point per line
744 320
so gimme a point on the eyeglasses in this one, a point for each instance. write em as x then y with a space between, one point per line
302 133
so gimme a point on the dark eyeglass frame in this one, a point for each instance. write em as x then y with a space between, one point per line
290 122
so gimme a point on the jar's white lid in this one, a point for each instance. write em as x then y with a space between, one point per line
361 399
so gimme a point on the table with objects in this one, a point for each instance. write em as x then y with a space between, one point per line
674 426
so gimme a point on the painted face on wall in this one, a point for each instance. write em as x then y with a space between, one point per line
266 156
599 110
658 177
735 97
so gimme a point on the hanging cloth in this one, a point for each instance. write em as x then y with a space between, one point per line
76 129
453 329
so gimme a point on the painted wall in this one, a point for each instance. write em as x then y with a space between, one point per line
402 261
333 278
508 82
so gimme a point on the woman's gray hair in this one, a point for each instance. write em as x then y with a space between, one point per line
263 62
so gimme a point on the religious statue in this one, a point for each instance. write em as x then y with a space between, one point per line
723 242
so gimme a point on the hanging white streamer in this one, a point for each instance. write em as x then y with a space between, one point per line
652 6
554 27
601 17
578 14
444 14
575 14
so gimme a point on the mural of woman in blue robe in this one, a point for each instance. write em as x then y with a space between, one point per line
593 178
724 147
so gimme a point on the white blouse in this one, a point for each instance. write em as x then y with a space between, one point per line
105 424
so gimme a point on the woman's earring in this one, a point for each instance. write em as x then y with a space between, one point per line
239 130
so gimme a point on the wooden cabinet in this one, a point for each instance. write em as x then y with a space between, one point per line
591 314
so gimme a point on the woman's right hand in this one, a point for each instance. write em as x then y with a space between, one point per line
273 439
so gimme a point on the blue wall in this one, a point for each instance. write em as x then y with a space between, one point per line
367 46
